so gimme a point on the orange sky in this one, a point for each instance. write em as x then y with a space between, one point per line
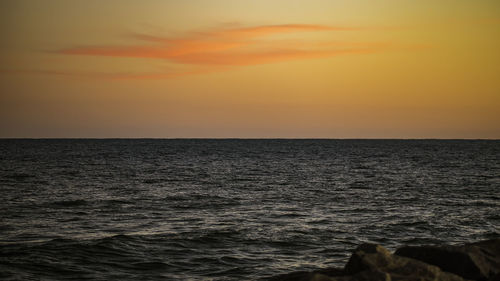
257 69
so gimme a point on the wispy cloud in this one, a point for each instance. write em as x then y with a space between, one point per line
228 47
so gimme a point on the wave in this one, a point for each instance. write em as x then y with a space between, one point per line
149 256
19 176
69 203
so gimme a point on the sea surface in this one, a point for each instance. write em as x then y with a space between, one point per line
200 209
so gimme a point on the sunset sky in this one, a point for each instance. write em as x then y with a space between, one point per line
250 69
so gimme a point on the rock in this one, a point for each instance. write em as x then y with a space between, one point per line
367 257
374 262
369 262
476 261
495 277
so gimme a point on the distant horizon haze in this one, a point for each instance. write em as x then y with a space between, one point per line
238 138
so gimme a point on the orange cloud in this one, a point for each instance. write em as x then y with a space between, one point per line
262 57
270 29
206 42
228 47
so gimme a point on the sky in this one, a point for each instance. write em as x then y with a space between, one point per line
250 69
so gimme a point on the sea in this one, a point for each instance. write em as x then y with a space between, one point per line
233 209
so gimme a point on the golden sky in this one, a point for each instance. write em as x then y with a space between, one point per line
250 69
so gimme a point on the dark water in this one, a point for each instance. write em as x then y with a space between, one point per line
233 209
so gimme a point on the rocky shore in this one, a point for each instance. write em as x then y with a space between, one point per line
475 261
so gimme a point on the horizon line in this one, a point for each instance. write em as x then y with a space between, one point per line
231 138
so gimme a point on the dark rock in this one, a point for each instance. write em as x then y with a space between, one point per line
374 262
476 261
495 277
367 257
369 262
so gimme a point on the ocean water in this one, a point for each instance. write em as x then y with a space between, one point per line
233 209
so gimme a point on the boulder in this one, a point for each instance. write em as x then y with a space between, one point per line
374 262
369 262
476 261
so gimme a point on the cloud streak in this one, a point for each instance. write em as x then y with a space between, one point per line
228 47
